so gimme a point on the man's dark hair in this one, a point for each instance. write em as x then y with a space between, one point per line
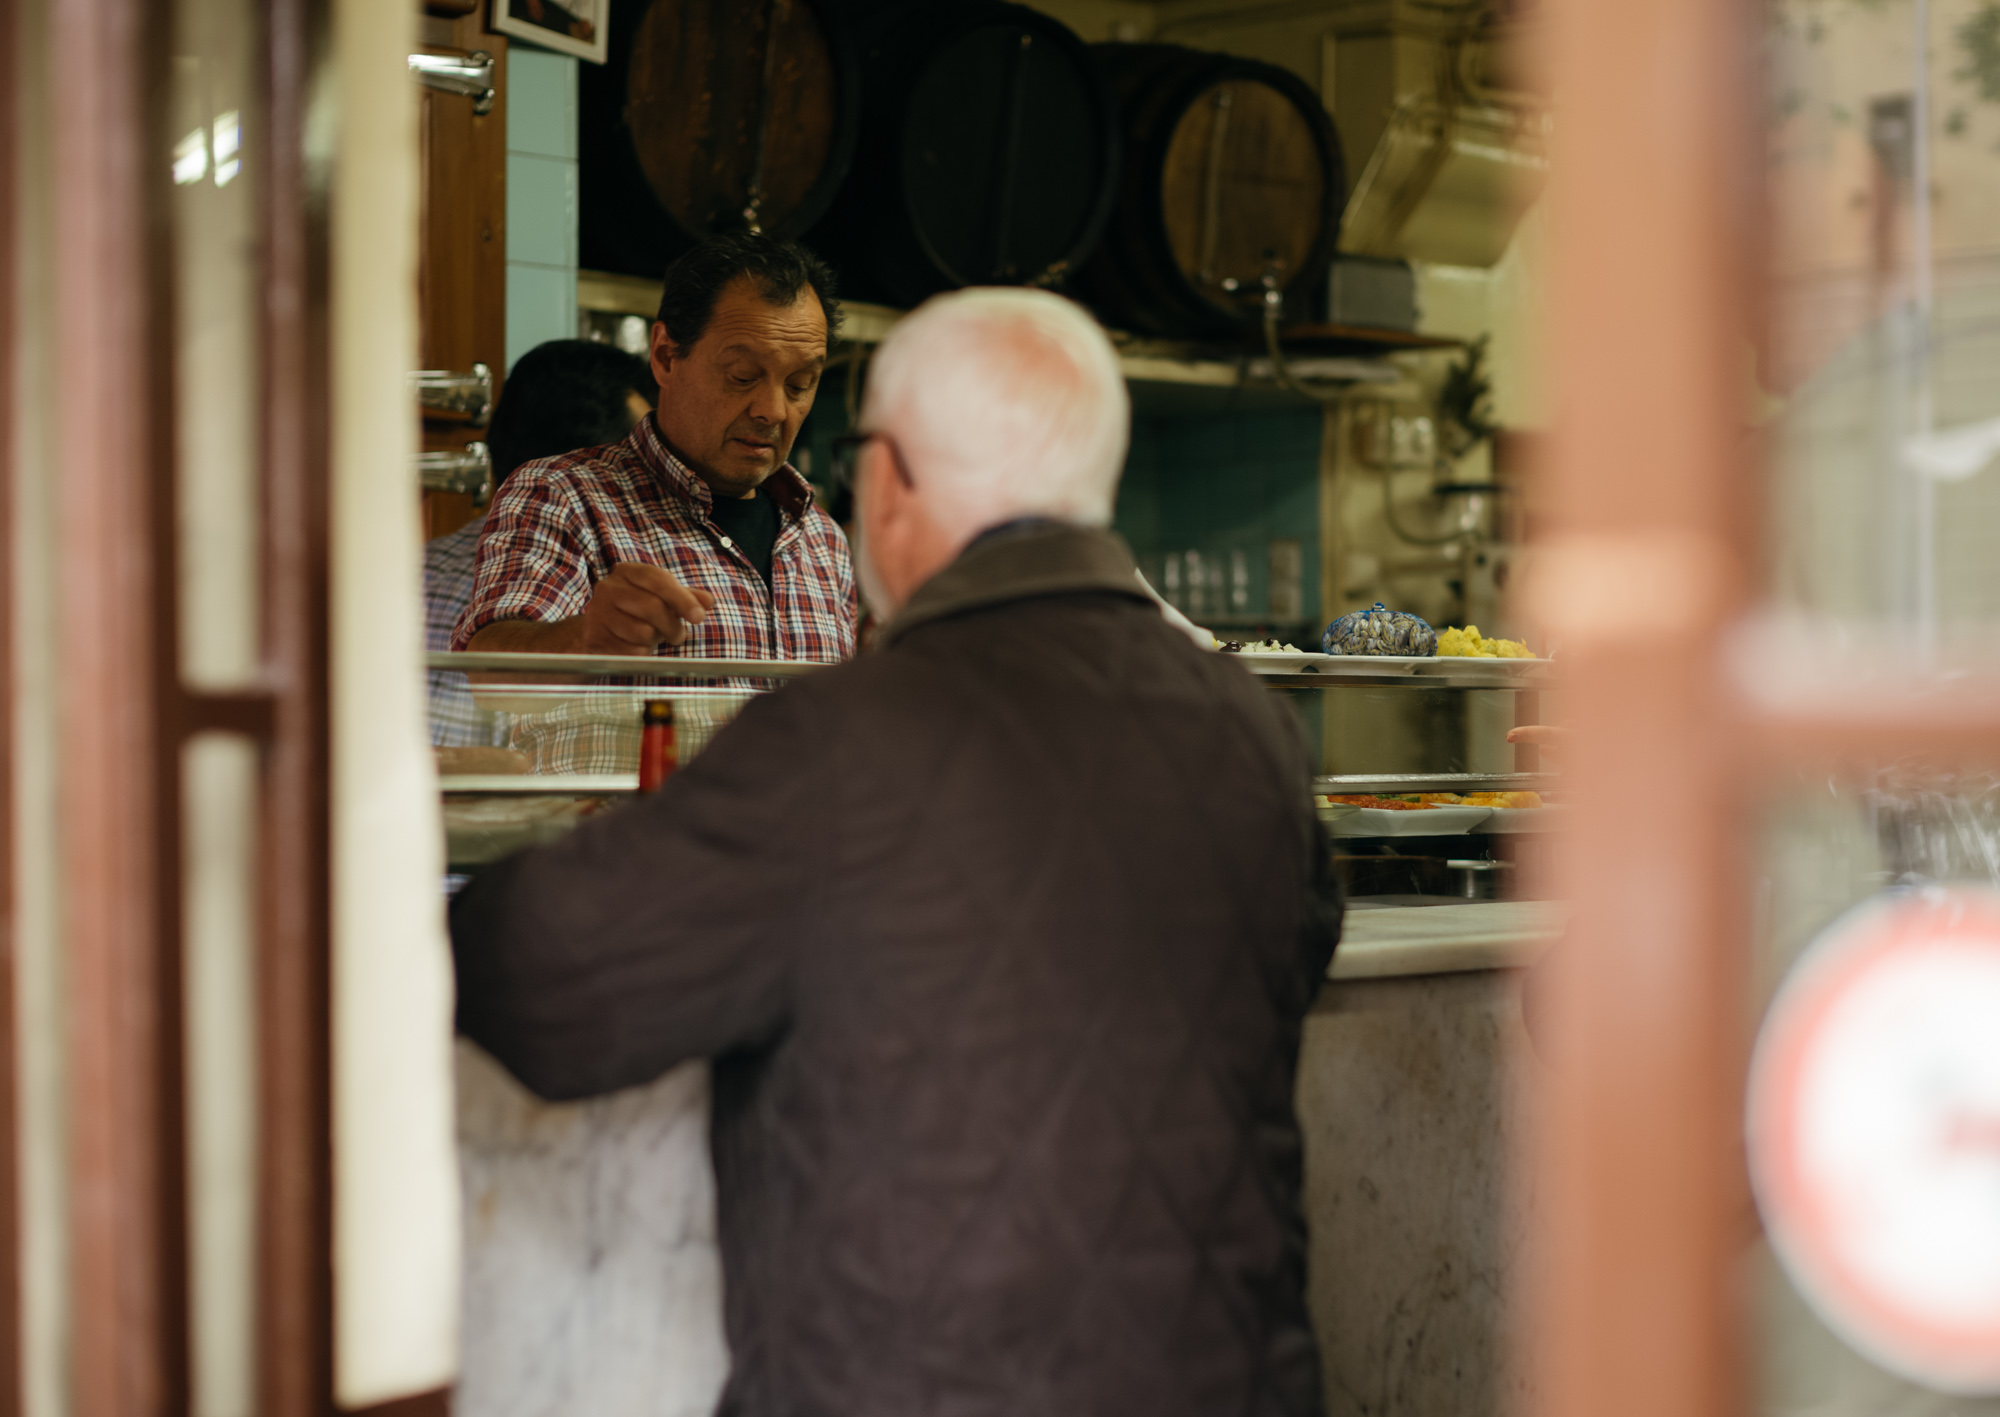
780 267
563 395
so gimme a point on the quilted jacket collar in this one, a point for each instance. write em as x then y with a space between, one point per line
1039 558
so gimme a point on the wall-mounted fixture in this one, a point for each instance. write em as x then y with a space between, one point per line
471 76
469 469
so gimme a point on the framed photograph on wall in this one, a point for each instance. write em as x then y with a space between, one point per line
579 27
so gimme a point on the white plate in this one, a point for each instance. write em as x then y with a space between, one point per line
1499 668
1521 819
1344 820
1384 663
1280 663
1329 664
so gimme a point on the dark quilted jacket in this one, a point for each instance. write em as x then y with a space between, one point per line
1001 939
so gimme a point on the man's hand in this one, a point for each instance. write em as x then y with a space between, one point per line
631 611
637 608
1539 735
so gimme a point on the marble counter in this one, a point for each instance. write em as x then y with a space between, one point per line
592 1281
1394 941
593 1285
1415 1081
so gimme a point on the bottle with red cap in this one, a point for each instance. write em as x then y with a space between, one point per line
659 753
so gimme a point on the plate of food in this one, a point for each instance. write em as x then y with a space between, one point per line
1379 632
1370 815
1259 661
1268 656
1505 811
1461 650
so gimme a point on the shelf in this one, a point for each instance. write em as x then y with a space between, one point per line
1349 354
616 666
1391 783
566 784
1363 677
612 294
1355 339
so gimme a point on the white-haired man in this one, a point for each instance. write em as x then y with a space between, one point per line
1001 939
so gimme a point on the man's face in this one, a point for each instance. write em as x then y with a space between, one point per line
731 403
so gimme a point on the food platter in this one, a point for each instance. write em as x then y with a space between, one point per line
1300 662
1441 671
1344 820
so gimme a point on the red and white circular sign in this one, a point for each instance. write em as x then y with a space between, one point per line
1874 1132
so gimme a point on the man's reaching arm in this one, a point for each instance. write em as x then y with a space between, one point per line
632 611
662 931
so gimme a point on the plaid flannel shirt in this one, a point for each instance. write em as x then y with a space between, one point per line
455 722
560 524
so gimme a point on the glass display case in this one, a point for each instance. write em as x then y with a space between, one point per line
1430 728
531 744
536 743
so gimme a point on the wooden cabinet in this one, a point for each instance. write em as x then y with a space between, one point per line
462 271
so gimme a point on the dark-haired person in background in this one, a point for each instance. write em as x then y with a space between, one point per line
694 535
560 396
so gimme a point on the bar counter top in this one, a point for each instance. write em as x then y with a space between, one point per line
1388 940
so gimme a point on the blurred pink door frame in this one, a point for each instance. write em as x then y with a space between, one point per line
1650 558
1654 555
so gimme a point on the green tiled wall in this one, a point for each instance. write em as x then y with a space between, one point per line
541 198
1215 483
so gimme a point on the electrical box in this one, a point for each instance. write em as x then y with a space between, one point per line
1371 292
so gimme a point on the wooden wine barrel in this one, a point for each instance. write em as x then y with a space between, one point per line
988 153
711 115
1231 167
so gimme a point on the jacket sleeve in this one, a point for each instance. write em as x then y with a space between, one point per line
1325 906
661 931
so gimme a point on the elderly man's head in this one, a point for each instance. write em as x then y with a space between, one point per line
992 405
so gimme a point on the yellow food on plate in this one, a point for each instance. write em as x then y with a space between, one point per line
1503 799
1468 643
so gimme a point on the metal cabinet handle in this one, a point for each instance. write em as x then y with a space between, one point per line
469 470
467 394
471 76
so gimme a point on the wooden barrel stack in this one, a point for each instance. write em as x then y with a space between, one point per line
988 153
922 146
1231 168
712 115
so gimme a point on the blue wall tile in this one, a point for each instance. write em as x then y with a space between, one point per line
541 198
541 210
541 103
541 305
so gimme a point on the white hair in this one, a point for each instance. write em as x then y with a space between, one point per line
1004 403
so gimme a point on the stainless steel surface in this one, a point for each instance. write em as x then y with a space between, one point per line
1313 671
471 76
622 666
468 471
1390 679
467 392
1393 782
568 784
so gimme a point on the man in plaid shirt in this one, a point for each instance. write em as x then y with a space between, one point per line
694 536
560 395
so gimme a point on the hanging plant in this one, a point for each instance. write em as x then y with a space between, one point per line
1465 401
